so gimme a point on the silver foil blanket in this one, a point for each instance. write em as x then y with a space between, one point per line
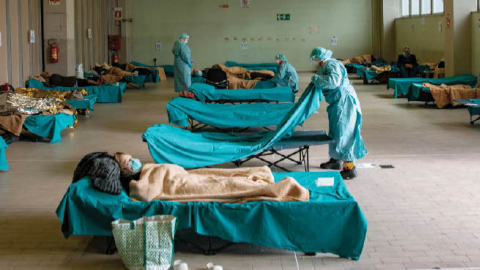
28 105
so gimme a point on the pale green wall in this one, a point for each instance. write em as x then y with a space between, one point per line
423 37
475 43
208 26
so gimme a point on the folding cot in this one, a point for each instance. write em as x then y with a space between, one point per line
208 93
261 66
106 93
84 104
473 106
182 111
49 126
402 86
330 222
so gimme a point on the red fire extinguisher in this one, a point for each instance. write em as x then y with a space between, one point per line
115 58
53 43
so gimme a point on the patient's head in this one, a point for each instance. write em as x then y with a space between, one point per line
127 163
406 51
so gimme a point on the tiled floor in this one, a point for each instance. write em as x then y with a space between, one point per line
424 213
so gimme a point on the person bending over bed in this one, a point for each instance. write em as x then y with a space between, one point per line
173 183
286 74
407 63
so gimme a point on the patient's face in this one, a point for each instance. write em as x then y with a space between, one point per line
124 162
278 61
406 52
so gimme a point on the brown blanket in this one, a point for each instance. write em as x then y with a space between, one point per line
13 123
237 76
446 94
173 183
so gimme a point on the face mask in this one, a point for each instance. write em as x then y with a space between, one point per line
404 55
186 41
135 164
198 73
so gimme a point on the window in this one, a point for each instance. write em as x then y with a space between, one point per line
405 7
427 7
437 6
415 7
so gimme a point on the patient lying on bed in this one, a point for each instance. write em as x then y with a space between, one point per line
173 183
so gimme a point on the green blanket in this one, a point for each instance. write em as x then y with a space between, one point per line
402 86
205 92
49 126
330 222
226 115
174 145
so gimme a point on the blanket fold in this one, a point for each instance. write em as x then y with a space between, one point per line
446 94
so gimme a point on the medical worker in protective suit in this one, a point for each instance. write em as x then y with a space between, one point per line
182 64
286 74
344 113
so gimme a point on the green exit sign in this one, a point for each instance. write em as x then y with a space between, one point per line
283 17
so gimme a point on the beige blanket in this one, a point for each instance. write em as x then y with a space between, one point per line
237 76
173 183
446 94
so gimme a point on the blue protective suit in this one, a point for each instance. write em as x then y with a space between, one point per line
182 66
344 112
286 75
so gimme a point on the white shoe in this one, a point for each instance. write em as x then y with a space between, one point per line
180 265
211 266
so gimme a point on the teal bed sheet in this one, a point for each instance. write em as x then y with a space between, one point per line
415 91
268 84
196 79
49 126
86 103
473 106
180 110
402 86
106 93
168 144
205 92
3 157
330 222
138 80
261 66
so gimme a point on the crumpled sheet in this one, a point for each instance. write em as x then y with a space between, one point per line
447 94
240 78
173 183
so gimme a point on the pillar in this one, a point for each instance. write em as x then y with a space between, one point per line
59 23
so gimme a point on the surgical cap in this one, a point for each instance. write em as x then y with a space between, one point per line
281 57
184 35
320 54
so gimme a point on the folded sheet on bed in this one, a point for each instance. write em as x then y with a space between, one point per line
330 222
180 110
205 92
106 93
174 145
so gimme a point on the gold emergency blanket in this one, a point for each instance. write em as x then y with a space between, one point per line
40 93
446 94
173 183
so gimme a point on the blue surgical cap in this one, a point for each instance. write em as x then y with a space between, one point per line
320 54
281 57
184 35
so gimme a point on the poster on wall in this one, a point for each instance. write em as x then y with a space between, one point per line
244 46
245 3
54 2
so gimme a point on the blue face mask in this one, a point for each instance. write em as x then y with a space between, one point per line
198 73
404 55
135 164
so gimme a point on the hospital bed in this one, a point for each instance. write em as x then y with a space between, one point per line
185 111
402 86
106 93
85 104
261 66
330 222
3 157
208 93
136 81
169 70
473 106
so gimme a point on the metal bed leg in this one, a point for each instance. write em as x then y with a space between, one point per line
111 248
210 251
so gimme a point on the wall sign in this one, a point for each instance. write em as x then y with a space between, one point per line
283 17
158 46
245 3
118 13
448 20
223 6
54 2
244 46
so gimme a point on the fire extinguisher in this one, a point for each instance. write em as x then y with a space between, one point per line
53 43
115 58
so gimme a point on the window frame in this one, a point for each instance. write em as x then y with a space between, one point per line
420 9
